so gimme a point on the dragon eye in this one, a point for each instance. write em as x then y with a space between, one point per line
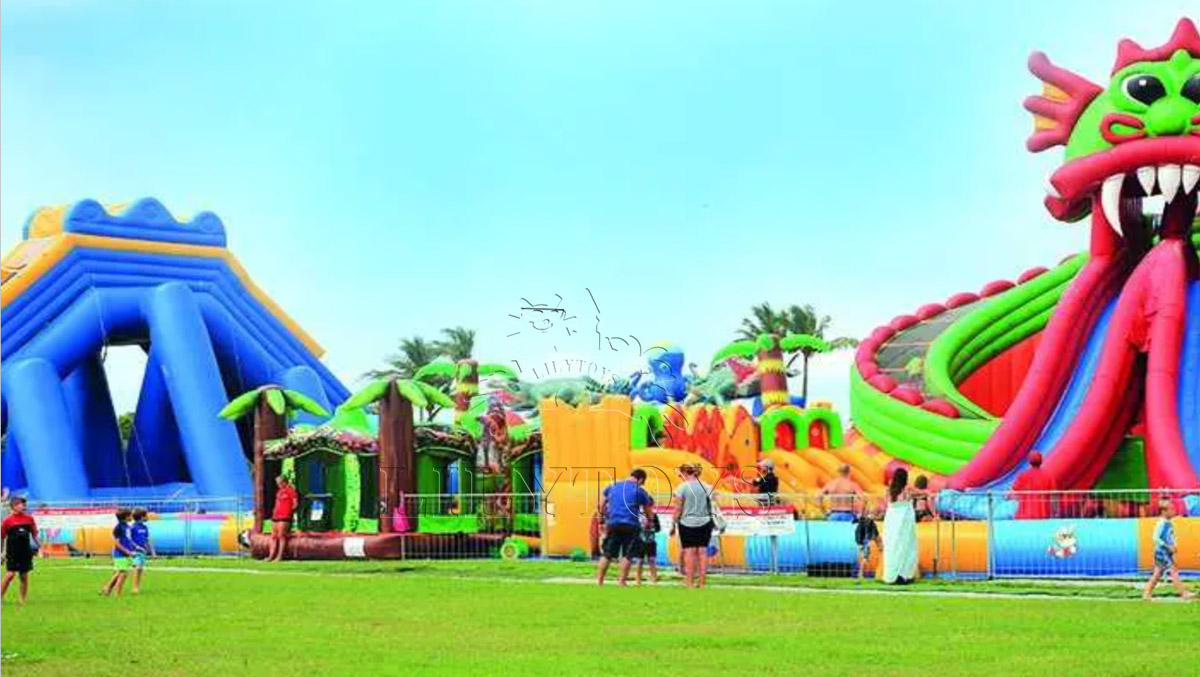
1144 88
1191 89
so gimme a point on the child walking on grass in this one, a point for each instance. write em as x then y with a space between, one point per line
865 533
1164 552
139 534
122 554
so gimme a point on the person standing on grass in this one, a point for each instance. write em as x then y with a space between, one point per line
18 535
842 492
286 502
693 520
122 554
139 533
1164 552
623 504
648 551
899 533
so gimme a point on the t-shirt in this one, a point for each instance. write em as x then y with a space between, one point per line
651 527
624 502
19 531
120 534
865 531
1164 535
139 533
285 503
767 484
1038 505
693 496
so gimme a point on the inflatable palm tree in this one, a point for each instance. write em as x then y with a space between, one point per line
271 406
397 444
465 374
767 351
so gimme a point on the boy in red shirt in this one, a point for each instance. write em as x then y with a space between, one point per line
19 535
286 500
1041 502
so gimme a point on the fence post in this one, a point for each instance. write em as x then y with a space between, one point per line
807 540
991 539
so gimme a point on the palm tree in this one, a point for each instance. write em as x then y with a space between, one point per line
795 320
459 343
465 375
397 443
414 354
272 406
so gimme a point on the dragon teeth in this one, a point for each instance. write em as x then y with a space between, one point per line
1110 201
1169 177
1146 176
1190 175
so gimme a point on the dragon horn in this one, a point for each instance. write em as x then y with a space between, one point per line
1064 97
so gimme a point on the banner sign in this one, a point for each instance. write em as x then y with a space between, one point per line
776 520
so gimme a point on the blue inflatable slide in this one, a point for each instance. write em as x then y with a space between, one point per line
86 277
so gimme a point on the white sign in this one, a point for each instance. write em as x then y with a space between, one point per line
775 520
353 547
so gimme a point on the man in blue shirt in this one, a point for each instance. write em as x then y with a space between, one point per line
622 505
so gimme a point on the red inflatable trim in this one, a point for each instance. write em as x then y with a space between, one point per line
995 287
961 299
883 383
941 408
1030 274
902 322
930 310
908 395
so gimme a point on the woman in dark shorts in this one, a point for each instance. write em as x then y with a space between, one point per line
19 533
693 519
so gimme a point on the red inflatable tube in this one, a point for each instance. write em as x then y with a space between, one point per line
930 310
941 407
902 322
995 287
1030 274
961 299
882 334
908 395
1149 319
883 383
867 370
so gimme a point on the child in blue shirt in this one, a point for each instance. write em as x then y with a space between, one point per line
139 534
1164 552
123 552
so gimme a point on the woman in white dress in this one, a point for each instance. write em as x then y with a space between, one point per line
899 533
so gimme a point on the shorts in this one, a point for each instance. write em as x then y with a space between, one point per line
139 560
646 549
122 563
19 565
281 526
864 550
621 541
695 537
1165 559
841 516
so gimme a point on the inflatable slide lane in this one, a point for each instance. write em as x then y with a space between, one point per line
87 277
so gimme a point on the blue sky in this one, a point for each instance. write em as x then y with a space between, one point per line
387 170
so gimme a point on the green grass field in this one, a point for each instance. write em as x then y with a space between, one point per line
490 618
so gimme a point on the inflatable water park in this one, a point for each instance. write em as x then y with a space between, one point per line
1093 361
